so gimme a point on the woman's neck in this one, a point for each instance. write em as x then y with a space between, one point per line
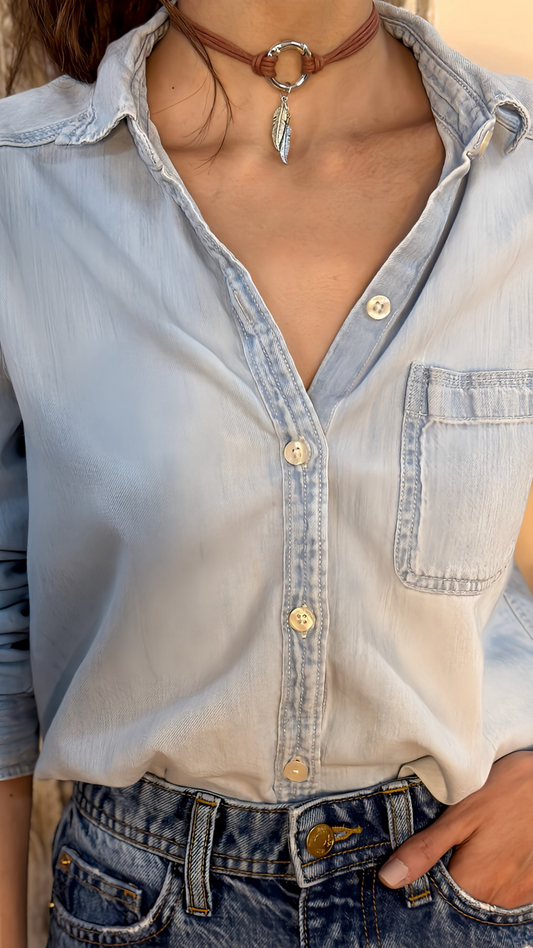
379 87
258 24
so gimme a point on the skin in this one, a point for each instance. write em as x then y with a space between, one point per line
365 157
15 809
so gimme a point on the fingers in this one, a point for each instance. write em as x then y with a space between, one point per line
419 853
473 822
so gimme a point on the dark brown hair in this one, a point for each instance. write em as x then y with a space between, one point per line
76 33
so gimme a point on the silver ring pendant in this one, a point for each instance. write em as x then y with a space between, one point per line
302 48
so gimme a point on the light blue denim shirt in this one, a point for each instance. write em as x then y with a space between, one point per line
171 536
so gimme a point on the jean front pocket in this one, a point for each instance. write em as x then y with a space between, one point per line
466 470
469 907
87 892
107 891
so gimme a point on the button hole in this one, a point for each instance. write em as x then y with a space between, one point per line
241 307
344 832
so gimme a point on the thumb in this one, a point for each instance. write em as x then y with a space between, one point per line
420 852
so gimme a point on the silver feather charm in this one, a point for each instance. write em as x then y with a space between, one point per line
281 129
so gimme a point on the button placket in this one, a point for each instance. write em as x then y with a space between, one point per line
365 336
302 495
303 459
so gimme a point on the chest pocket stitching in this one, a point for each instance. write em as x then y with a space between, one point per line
460 399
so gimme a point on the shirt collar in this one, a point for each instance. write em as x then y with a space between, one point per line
117 92
464 96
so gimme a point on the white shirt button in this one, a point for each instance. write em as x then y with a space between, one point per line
297 452
302 620
378 307
296 770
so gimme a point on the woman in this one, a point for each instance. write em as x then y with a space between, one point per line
272 356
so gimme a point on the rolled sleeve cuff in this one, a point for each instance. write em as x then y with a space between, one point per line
19 736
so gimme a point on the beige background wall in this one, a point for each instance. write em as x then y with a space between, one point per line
495 34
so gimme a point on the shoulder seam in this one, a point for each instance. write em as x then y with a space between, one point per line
27 133
45 134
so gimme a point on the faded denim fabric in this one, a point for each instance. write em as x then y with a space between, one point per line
149 864
169 539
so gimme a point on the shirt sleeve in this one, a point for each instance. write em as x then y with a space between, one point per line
508 650
18 716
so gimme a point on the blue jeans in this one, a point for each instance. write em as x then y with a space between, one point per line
160 865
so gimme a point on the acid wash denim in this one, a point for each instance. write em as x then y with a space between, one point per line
152 864
170 533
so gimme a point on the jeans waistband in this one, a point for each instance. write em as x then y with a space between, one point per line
304 841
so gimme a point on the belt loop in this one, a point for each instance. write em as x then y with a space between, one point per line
198 854
401 827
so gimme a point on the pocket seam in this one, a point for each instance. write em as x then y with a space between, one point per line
416 417
421 373
79 863
104 895
405 527
121 944
493 910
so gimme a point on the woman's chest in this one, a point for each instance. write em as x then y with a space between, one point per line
312 240
138 379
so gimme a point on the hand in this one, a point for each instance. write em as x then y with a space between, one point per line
491 832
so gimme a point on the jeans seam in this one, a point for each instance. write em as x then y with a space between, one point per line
122 944
412 897
369 862
189 861
396 836
167 839
482 921
202 876
88 884
104 895
421 895
180 861
112 831
342 852
258 875
272 862
306 931
138 829
367 943
375 908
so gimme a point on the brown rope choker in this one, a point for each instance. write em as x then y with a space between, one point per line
264 64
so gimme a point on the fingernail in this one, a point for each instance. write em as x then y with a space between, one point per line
394 872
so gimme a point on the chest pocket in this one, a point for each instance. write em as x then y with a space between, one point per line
466 470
